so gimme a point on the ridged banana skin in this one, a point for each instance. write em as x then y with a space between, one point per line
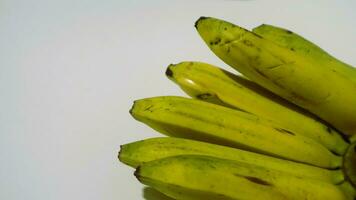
192 177
212 84
292 76
199 120
140 152
300 45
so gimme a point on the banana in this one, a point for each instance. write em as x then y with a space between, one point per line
194 119
353 139
215 85
138 153
349 164
150 193
298 44
193 177
297 78
348 190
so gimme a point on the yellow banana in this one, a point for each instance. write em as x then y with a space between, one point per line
249 143
138 153
196 177
299 79
300 45
288 39
212 84
194 119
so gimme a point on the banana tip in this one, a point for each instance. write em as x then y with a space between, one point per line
200 19
132 108
120 153
169 72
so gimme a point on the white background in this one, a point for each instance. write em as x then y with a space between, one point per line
70 69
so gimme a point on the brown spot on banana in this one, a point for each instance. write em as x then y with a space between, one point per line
255 180
282 130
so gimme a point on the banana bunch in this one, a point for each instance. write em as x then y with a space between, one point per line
286 129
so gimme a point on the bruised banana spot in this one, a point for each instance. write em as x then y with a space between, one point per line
218 40
275 66
149 108
283 64
278 84
204 96
300 98
212 98
257 180
242 110
215 42
328 129
284 131
248 43
261 73
227 42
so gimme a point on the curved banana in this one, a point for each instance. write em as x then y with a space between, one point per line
194 119
300 45
193 177
140 152
297 78
212 84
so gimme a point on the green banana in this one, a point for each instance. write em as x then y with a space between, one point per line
195 177
298 44
212 84
138 153
194 119
293 76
